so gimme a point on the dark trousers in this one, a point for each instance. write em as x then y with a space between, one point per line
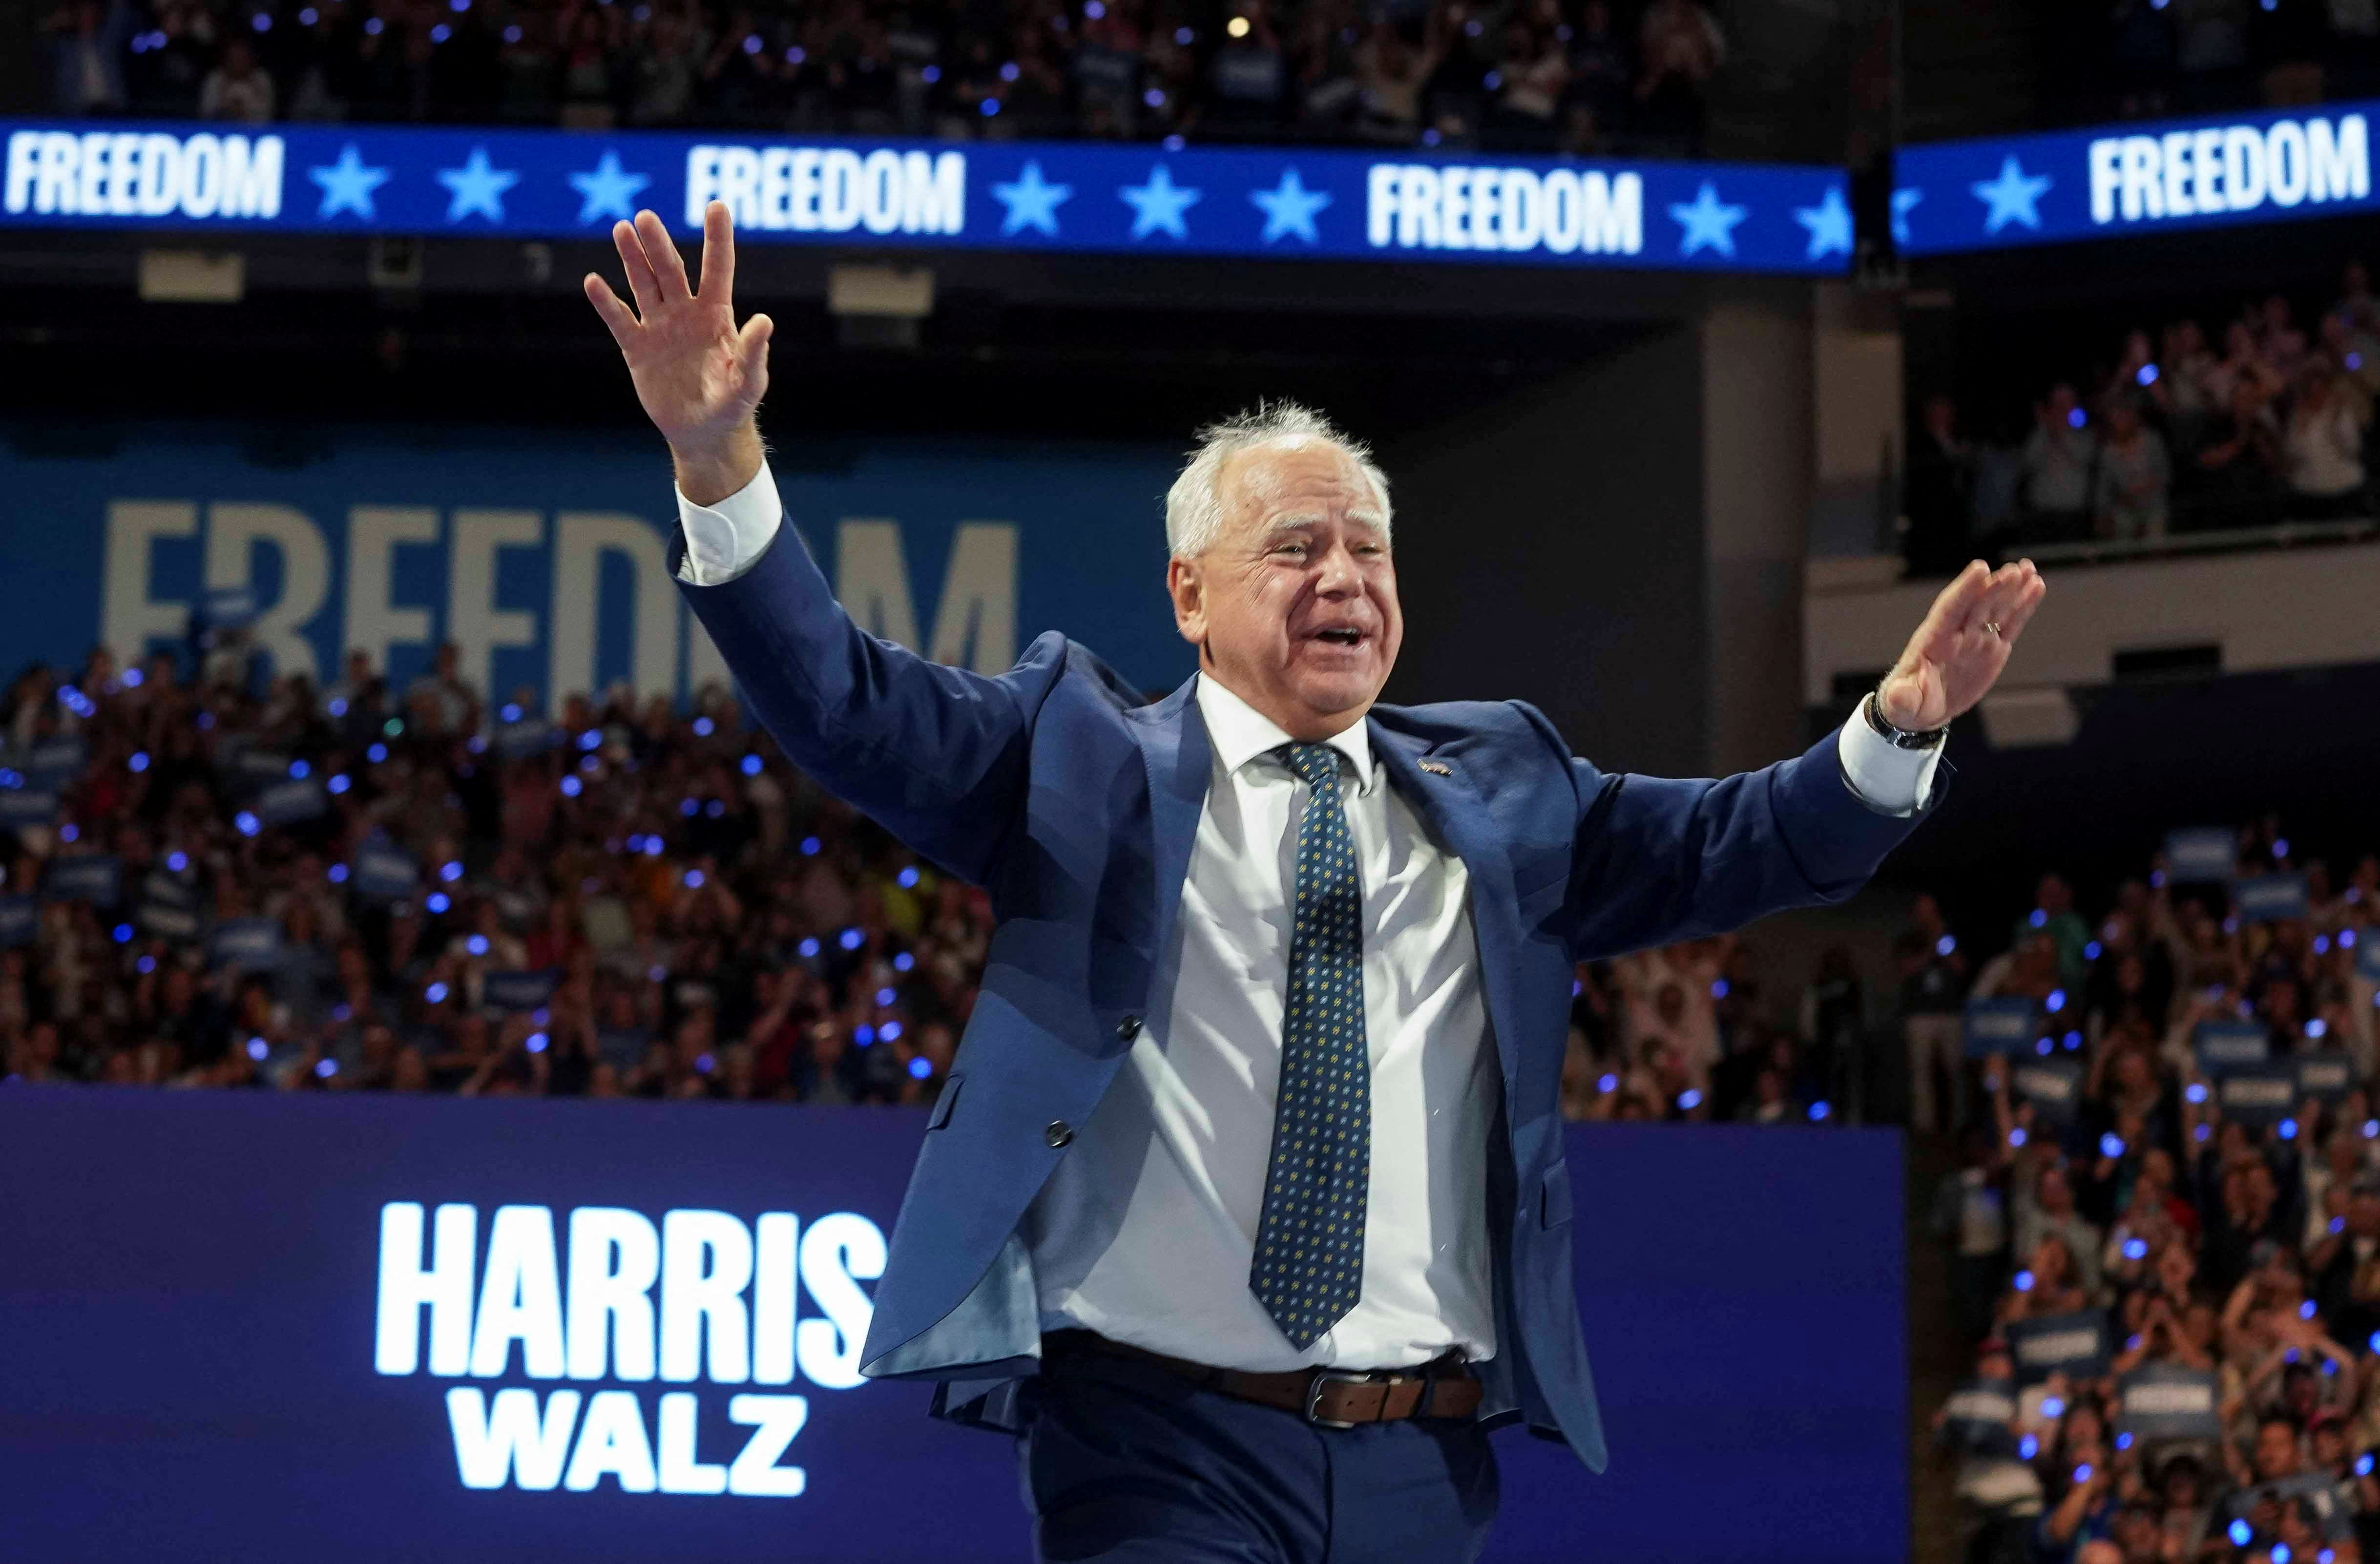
1126 1463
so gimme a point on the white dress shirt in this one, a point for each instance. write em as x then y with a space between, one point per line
1146 1228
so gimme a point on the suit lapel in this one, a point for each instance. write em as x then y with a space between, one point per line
1457 817
1173 738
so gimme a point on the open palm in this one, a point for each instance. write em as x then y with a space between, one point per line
1957 653
698 376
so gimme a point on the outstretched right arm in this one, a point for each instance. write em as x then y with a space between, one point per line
935 754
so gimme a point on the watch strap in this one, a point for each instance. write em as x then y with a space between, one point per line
1899 738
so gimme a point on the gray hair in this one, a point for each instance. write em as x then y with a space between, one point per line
1194 506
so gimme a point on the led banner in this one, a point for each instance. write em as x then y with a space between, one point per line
2118 180
267 1325
1136 199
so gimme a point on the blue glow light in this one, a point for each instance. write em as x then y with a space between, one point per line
1818 1112
2202 1132
2091 949
2146 374
2052 1406
571 786
904 961
1719 987
2280 847
2123 1442
299 771
2305 1310
509 711
907 877
2280 1553
2347 936
338 873
2363 1465
849 938
535 1042
2027 1448
2083 1473
864 1037
2338 1224
246 823
2073 1041
73 832
694 879
123 934
1607 1084
751 765
2317 1027
450 870
2037 917
145 964
438 901
703 727
140 761
1945 945
339 784
2017 1135
889 1031
177 860
378 752
591 739
689 807
2056 1002
2043 1046
808 948
2241 1533
258 1049
435 993
477 944
338 707
810 845
2322 944
2195 1091
2288 1128
591 764
1689 1099
704 1063
326 1068
919 1069
885 997
2022 1282
653 845
2136 1249
132 678
715 808
2076 418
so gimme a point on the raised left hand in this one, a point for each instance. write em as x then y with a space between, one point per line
1957 654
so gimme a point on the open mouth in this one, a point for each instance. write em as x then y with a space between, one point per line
1341 636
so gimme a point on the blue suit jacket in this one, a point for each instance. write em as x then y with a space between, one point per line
1074 803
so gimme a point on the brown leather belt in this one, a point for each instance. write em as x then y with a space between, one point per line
1328 1398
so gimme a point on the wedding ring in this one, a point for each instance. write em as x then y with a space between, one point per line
1991 626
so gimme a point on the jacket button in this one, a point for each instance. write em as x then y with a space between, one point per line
1058 1133
1129 1028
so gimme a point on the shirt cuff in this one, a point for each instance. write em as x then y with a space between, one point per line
1888 778
722 541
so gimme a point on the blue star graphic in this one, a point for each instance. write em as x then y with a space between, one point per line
2012 197
347 185
477 188
1904 201
1158 204
1829 224
1709 223
1290 207
606 189
1032 203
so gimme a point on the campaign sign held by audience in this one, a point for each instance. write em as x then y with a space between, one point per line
252 768
1407 204
383 871
530 735
519 990
2269 898
2328 1075
168 921
54 762
2258 1095
96 878
2134 179
21 920
251 942
2000 1025
1978 1415
2367 957
286 803
21 806
2074 1344
2201 853
2225 1045
2168 1401
392 1328
2054 1086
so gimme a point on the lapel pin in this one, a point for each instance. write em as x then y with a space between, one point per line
1437 768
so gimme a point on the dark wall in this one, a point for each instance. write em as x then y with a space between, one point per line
1549 547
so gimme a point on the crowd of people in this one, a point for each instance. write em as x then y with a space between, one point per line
1576 76
2191 56
2268 420
2163 1235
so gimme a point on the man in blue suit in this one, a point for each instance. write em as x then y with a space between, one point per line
1244 1204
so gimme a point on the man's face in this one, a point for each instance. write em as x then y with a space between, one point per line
1294 605
2276 1451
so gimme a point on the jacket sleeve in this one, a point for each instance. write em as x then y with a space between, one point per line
936 754
1655 860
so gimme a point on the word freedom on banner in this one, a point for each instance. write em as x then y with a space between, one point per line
1082 197
2097 184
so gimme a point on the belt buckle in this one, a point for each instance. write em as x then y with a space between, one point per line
1313 1393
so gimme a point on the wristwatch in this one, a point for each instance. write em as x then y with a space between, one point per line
1900 738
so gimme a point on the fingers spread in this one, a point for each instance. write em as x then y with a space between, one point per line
718 256
616 315
661 251
641 281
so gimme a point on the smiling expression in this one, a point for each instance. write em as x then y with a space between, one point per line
1294 605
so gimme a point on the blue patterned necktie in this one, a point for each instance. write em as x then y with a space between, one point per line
1308 1269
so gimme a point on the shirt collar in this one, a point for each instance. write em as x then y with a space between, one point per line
1239 733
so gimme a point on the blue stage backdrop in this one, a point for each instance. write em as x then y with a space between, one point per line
541 554
284 1328
1275 204
2120 180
